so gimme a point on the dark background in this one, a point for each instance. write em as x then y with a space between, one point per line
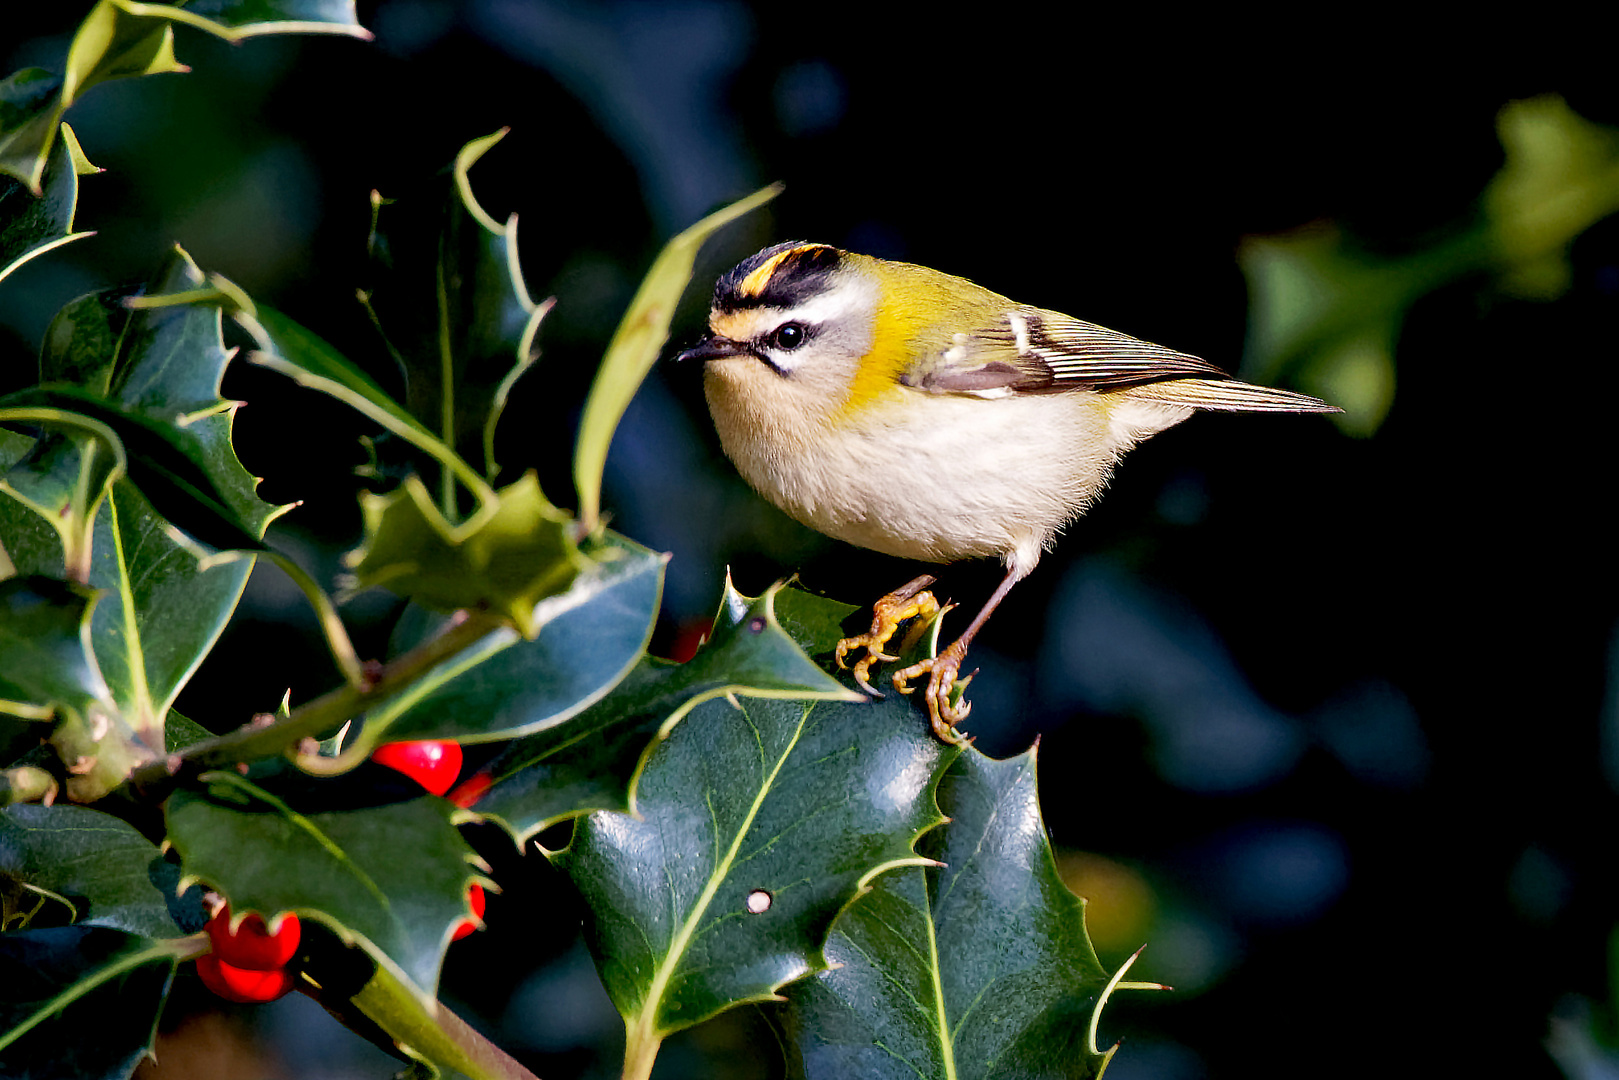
1327 721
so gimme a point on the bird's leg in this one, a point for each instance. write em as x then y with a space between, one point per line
906 602
942 670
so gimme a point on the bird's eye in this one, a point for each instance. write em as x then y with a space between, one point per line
789 336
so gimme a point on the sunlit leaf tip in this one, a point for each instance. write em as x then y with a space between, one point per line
1116 982
38 218
635 347
464 160
507 558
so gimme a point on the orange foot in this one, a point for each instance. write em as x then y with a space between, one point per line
941 672
906 602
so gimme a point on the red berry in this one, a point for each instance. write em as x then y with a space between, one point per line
471 789
252 947
240 984
467 926
689 637
430 762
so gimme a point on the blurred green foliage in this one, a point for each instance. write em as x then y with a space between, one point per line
1327 313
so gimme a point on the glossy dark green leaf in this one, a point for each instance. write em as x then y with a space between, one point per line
592 761
297 352
73 855
514 553
180 732
61 475
979 967
152 375
759 819
166 462
507 687
121 39
80 1002
28 119
30 224
392 878
46 659
449 297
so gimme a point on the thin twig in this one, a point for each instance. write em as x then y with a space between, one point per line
313 718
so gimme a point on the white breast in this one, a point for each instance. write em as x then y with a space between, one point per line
961 477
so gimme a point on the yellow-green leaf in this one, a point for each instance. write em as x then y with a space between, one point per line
506 558
635 347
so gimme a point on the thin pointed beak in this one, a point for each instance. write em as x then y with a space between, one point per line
714 347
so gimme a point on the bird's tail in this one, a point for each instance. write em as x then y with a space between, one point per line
1228 395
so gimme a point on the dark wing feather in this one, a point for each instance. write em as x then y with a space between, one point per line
1036 351
1082 355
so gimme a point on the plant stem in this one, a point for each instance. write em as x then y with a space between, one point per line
430 1031
641 1045
25 783
312 718
337 638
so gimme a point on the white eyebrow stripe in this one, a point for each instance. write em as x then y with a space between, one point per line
827 307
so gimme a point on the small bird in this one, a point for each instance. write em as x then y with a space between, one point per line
915 413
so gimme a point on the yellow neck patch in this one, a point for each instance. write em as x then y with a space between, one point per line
893 339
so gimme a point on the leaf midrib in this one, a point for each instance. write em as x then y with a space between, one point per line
688 930
299 821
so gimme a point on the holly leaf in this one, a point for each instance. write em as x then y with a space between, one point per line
305 357
61 477
515 552
51 673
594 760
81 1001
46 658
450 299
181 731
1560 176
759 820
507 686
149 377
635 346
391 878
111 43
234 20
116 42
28 119
163 461
32 224
77 865
123 39
976 966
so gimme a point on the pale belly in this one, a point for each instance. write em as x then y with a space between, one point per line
995 478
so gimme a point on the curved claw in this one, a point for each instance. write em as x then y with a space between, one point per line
941 671
860 670
908 602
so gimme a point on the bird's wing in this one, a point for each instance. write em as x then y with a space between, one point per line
1032 351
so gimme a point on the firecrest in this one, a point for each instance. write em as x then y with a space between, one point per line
917 414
